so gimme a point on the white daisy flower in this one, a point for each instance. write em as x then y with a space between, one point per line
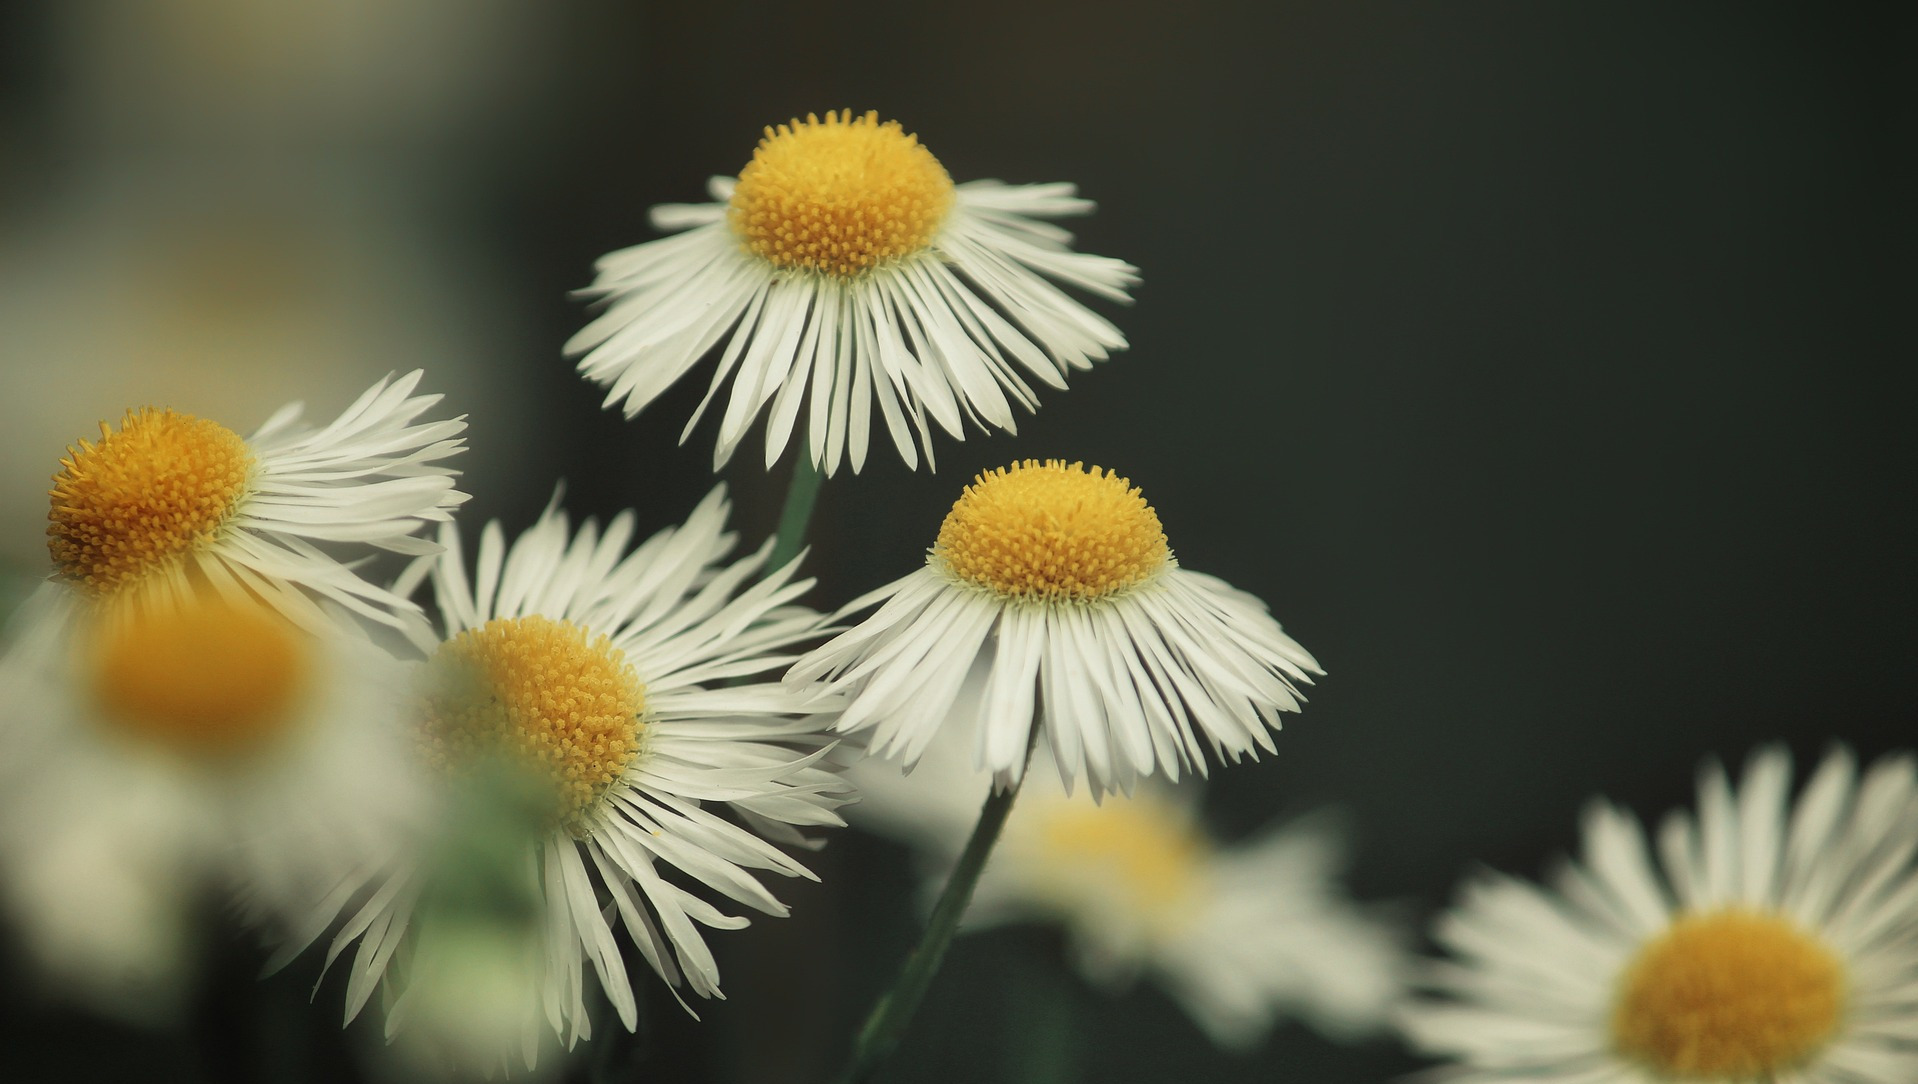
1240 936
842 268
169 500
1765 943
1052 595
621 680
158 755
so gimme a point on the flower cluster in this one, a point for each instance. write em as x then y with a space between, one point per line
207 699
502 790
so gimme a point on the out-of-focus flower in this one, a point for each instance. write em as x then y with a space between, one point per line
842 268
1240 935
1052 600
619 683
169 501
1768 941
163 754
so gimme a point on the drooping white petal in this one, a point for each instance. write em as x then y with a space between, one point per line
1121 687
943 333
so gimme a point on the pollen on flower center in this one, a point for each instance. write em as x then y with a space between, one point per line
205 676
839 196
1133 848
1730 995
143 497
1051 531
560 699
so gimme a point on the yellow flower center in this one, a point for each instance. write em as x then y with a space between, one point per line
839 196
206 676
1730 995
548 693
143 497
1139 853
1051 531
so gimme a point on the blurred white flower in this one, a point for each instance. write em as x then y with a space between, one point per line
842 268
620 683
1768 941
1052 600
1241 935
162 756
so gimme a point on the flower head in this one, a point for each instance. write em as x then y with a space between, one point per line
1768 941
166 750
1240 935
843 269
150 674
1051 599
839 197
616 684
169 500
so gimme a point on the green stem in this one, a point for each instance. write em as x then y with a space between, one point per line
887 1023
801 493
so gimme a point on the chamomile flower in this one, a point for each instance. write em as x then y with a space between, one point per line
1239 935
162 754
1767 941
843 269
1052 595
169 500
620 682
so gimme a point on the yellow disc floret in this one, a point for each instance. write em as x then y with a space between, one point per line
1051 531
1137 857
839 196
554 696
1728 995
143 497
206 676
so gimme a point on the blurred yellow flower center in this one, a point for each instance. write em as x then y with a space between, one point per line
839 196
1052 531
1136 850
143 497
559 698
207 677
1730 995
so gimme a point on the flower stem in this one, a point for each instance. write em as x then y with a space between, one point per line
801 493
887 1023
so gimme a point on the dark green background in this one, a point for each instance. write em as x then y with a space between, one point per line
1546 367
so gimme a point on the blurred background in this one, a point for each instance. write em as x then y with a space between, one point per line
1547 368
